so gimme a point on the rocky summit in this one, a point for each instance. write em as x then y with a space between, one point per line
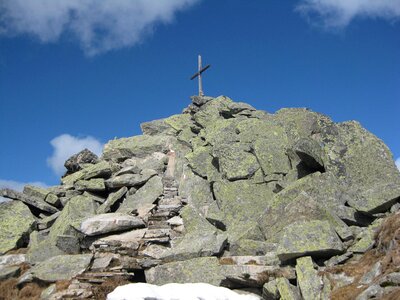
289 205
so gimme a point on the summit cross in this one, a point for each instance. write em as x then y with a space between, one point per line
198 74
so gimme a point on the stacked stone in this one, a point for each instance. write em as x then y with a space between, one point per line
222 193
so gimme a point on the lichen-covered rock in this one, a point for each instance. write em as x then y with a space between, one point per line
236 161
142 201
111 200
137 146
76 161
315 238
100 170
92 185
309 281
286 290
203 269
32 201
112 222
16 223
200 238
68 223
242 204
62 267
130 180
196 191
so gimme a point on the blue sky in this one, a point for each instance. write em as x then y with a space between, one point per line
76 74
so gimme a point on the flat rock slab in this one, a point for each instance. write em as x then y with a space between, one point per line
316 238
106 223
31 200
8 272
62 267
16 222
204 269
12 259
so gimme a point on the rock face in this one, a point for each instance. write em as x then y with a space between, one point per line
222 193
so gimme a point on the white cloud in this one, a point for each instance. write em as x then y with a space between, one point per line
339 13
398 163
99 26
17 185
66 145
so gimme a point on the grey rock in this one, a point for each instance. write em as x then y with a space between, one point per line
16 223
12 259
129 180
63 267
286 290
204 269
30 200
47 221
372 292
374 272
309 238
142 201
75 162
111 200
112 222
270 290
92 185
9 271
309 282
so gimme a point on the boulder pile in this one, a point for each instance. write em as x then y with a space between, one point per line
222 194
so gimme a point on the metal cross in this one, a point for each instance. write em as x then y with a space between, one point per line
198 74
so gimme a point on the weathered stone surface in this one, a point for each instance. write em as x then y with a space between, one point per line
129 180
127 242
252 275
156 127
311 153
377 199
315 238
48 221
16 223
270 290
236 161
210 111
100 170
200 161
138 146
12 259
142 201
32 201
196 191
34 191
92 185
367 161
112 222
200 239
111 200
309 282
286 290
76 210
366 239
76 161
62 267
156 161
204 269
9 271
242 203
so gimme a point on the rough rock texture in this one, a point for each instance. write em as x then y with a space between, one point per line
225 194
16 223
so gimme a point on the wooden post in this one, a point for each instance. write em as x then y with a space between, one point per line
200 82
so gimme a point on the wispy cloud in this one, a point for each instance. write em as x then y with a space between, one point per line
17 185
99 26
339 13
398 163
67 145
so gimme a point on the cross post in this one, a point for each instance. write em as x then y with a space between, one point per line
198 75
